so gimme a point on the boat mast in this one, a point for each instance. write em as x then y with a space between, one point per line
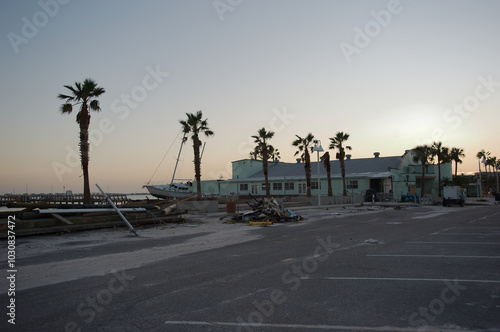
178 156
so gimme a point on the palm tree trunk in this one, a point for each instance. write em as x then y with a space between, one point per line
265 169
439 178
84 155
197 166
307 167
329 177
456 168
342 168
423 181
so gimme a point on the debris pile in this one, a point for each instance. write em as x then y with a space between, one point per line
267 209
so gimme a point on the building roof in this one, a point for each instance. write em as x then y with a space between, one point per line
355 168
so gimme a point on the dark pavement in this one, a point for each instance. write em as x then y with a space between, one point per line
413 269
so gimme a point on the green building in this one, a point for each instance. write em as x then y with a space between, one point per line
391 177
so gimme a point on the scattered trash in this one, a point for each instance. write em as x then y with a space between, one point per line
372 241
268 209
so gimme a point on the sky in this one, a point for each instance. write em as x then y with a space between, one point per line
393 74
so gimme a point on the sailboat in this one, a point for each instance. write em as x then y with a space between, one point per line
174 190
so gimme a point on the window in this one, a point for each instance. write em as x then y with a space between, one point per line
289 186
352 184
277 186
314 185
243 186
264 186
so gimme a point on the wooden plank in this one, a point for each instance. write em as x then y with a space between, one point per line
61 218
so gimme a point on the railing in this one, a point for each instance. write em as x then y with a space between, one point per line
59 198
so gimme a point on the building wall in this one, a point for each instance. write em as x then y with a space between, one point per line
403 179
406 178
280 187
245 168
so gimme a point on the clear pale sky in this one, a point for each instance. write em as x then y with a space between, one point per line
392 74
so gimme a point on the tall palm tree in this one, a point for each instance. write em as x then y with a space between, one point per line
304 145
422 154
85 95
337 142
443 156
262 138
195 126
492 162
483 154
272 153
455 154
326 162
497 168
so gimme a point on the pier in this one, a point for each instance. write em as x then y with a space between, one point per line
25 200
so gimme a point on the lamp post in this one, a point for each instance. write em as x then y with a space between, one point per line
318 149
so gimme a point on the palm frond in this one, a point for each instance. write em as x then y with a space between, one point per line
66 108
94 105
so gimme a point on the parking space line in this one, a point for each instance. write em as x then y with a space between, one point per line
403 279
303 326
429 215
453 242
469 227
482 234
431 256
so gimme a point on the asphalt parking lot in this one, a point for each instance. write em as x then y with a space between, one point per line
374 269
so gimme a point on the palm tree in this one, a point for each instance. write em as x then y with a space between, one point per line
422 154
497 168
455 155
337 142
443 156
84 94
272 153
483 155
326 162
195 126
492 162
304 145
262 139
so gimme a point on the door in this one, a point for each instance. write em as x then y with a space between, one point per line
255 189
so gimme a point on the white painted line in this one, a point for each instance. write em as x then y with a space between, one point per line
432 256
431 215
302 326
476 227
403 279
442 242
482 234
442 232
483 218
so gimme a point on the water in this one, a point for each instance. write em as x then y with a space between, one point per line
139 197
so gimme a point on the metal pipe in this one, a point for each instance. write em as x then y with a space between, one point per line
117 210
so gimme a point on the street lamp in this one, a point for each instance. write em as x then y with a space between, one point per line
318 149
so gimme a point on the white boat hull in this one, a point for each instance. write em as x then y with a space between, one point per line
167 191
